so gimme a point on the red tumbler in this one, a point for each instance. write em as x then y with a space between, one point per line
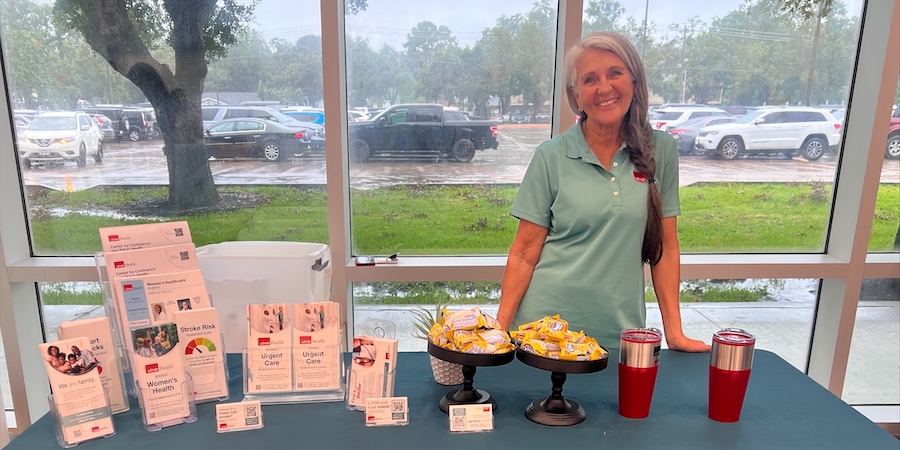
638 363
729 373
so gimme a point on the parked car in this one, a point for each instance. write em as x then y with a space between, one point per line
106 127
785 130
676 115
518 117
311 116
358 116
496 118
892 149
21 121
542 117
421 129
214 114
248 137
686 133
121 123
58 137
142 124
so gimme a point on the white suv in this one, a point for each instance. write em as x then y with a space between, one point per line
665 118
777 130
59 137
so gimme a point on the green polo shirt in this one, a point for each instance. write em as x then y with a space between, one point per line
590 270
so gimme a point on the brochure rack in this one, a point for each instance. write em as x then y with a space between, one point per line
294 395
109 307
58 421
184 391
365 378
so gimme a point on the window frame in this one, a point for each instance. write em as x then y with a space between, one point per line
842 266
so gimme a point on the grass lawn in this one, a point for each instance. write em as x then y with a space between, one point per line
447 220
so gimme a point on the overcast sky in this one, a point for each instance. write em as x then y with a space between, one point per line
388 21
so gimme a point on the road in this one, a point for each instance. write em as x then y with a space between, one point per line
143 164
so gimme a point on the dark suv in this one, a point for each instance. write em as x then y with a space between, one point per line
131 123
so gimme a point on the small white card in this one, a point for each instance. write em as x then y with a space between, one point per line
470 418
386 411
238 416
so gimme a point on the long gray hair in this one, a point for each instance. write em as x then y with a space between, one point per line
636 130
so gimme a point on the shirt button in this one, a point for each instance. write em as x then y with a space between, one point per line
612 179
616 193
615 164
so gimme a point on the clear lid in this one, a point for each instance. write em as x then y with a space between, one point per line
641 335
734 336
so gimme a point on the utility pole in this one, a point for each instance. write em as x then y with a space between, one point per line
683 63
812 59
644 46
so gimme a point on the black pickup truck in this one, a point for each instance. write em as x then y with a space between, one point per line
421 130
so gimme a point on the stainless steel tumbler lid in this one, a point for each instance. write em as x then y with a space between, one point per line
732 349
640 347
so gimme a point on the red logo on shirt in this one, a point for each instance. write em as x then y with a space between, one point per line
639 177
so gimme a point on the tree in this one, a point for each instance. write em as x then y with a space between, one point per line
124 33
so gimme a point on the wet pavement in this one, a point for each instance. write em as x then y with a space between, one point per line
143 164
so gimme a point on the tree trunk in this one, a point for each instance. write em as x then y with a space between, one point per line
897 240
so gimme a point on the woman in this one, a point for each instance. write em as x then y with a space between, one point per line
52 356
160 314
163 337
63 364
596 203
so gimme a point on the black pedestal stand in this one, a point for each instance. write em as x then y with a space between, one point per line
555 410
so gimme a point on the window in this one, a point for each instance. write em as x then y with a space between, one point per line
874 365
222 127
397 116
209 114
249 126
700 114
667 115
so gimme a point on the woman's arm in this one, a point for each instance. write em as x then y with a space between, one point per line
667 283
523 256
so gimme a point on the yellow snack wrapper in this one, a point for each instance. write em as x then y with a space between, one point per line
531 326
493 336
535 346
521 336
575 352
554 328
469 319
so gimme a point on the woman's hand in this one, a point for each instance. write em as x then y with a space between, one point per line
686 344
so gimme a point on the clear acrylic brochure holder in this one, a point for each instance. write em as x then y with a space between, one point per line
109 307
154 408
198 379
295 394
102 409
379 328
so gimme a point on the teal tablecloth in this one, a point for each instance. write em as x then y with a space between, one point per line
784 409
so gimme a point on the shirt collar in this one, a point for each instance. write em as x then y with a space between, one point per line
578 147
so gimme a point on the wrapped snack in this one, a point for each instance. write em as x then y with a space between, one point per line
555 328
531 326
575 337
521 336
575 352
468 319
535 346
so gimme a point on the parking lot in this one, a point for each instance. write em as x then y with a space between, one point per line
143 164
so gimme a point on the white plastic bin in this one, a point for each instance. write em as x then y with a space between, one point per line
250 272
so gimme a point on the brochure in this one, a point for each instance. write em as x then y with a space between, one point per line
134 237
154 299
159 373
204 356
268 348
372 369
317 349
143 263
78 393
103 347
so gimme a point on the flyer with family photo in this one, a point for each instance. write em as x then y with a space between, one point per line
316 346
268 348
159 373
78 394
103 347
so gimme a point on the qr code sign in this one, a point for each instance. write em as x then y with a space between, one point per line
185 256
77 433
251 411
397 406
179 232
459 422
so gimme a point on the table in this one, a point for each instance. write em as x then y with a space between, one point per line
784 409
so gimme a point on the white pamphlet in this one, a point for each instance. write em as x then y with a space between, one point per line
154 299
159 373
372 367
78 394
142 263
204 356
387 411
135 237
104 350
269 348
246 415
471 418
316 346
